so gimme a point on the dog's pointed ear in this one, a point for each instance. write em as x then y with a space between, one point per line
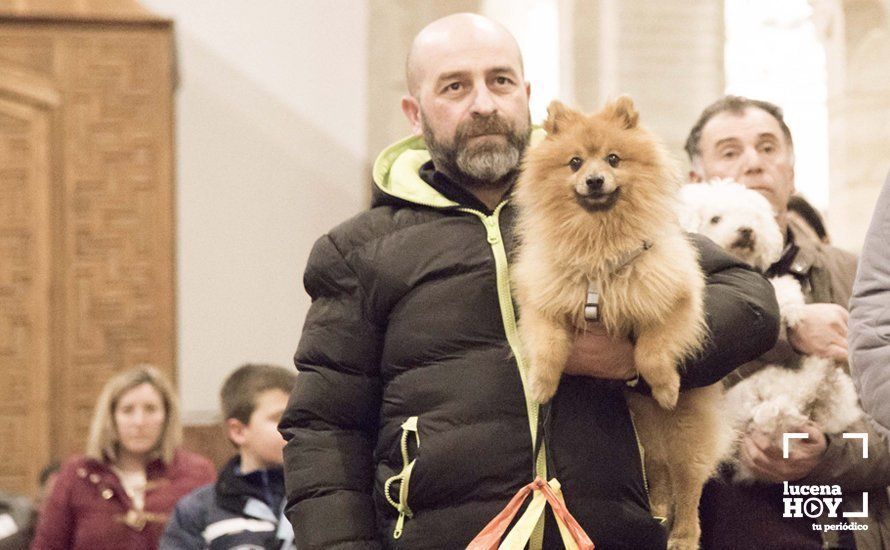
558 115
623 110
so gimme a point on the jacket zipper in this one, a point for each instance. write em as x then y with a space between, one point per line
642 452
403 477
508 316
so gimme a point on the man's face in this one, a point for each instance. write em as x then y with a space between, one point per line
473 108
751 149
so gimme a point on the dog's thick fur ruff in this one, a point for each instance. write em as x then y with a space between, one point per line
774 400
589 196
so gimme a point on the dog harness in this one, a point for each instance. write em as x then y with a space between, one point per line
592 304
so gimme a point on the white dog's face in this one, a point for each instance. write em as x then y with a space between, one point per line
737 218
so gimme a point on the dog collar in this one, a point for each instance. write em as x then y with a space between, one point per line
592 303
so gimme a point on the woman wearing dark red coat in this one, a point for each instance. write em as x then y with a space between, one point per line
120 494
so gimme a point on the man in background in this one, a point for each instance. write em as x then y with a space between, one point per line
747 140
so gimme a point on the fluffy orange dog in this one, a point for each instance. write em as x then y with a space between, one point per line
597 220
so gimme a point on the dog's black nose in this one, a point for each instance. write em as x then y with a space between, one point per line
746 237
595 183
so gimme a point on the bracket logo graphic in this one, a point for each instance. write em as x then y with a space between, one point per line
813 501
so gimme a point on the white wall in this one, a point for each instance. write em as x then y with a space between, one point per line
271 152
536 26
774 52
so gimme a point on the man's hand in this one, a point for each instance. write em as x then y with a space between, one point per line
763 454
821 331
599 355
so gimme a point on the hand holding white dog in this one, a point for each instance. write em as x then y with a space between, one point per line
597 354
762 454
821 331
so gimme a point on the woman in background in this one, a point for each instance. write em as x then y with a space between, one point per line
120 494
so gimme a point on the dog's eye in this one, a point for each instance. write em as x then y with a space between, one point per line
613 160
715 220
575 163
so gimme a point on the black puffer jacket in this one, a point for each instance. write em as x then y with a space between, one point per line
409 426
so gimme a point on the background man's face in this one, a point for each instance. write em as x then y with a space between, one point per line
751 149
474 108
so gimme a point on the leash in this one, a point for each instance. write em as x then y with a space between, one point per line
544 422
592 303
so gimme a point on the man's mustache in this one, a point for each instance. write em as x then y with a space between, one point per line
481 126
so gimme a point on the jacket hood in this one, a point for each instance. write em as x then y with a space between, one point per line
396 173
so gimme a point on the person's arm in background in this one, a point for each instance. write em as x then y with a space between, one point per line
330 423
821 459
55 525
742 317
869 331
842 463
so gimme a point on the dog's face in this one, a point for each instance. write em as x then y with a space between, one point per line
599 163
738 219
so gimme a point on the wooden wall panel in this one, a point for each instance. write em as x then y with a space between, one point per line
107 293
209 440
118 232
24 291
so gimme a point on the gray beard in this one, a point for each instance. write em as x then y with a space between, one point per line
488 163
484 165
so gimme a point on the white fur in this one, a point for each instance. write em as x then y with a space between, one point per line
721 209
775 399
790 298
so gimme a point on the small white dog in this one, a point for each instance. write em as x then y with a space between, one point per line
738 219
774 399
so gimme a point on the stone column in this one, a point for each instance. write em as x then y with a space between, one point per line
856 34
667 55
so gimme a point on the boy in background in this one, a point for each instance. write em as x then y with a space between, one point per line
244 507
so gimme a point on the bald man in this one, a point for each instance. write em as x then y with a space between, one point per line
409 426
